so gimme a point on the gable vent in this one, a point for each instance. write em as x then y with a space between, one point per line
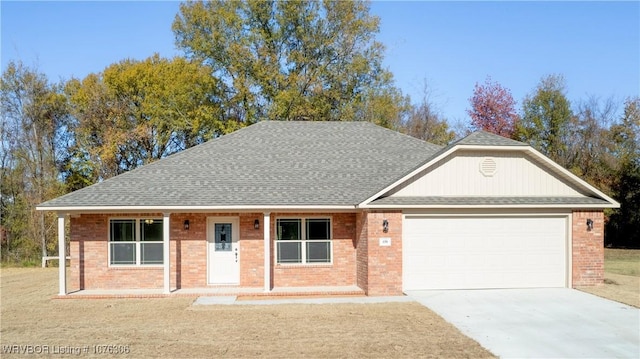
488 167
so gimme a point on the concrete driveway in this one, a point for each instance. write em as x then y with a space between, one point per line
540 323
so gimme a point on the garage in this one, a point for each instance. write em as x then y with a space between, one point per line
472 252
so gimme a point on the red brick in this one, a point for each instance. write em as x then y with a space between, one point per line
587 249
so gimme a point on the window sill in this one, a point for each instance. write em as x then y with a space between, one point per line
303 265
134 267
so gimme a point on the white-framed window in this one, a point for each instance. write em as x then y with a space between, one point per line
303 240
135 242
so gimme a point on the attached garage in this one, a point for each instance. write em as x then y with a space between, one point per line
469 252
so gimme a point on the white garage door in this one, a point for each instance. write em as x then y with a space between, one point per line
484 252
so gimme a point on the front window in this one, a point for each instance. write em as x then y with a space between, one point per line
135 241
303 240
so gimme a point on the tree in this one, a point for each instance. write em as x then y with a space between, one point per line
426 123
545 118
493 109
290 60
623 225
588 142
34 138
136 112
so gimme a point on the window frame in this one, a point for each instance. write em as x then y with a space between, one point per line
303 241
137 242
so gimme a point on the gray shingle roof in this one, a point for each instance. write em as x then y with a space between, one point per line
487 201
267 164
483 138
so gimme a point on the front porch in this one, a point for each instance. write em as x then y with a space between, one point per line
188 262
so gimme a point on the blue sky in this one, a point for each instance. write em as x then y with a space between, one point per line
451 45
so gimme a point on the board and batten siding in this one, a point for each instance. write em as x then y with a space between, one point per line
459 174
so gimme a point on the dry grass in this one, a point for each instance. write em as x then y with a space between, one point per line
622 261
621 277
171 327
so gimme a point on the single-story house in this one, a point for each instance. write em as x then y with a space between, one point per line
330 204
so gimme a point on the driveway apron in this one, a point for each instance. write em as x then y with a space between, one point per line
540 323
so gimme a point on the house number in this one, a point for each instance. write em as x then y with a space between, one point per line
385 242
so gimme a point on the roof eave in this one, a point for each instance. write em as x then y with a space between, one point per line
179 209
488 206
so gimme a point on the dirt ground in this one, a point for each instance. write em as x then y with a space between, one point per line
34 323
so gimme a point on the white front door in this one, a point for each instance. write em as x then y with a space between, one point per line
223 252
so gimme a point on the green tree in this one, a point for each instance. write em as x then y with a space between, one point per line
136 112
292 60
545 118
624 224
34 141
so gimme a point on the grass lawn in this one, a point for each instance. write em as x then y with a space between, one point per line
622 261
172 328
621 276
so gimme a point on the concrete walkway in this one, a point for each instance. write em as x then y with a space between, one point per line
540 323
231 300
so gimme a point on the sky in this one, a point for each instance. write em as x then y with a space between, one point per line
449 45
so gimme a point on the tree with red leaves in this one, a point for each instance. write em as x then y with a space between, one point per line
493 109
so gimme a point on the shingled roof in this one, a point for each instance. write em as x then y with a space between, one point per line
270 163
483 138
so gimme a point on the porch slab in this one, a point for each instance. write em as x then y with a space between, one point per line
219 291
314 300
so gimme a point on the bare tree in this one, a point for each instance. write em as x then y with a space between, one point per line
33 115
425 121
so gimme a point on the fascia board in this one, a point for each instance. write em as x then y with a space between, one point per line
572 206
177 209
575 179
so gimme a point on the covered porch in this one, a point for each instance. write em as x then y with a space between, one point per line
170 259
184 251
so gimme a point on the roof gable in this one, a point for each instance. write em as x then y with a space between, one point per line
414 188
466 173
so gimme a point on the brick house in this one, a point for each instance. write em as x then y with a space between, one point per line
336 204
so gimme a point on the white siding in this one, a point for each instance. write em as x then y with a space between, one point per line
459 175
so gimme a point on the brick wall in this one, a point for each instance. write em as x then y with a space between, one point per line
362 253
251 251
89 258
380 267
342 272
188 259
357 256
191 248
587 249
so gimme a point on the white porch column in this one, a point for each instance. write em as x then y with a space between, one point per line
62 257
166 252
267 251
